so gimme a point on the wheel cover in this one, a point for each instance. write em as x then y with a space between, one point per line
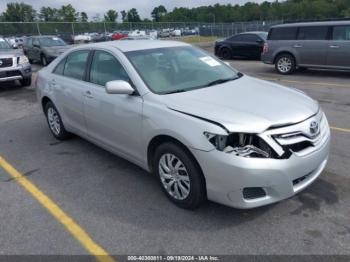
54 121
284 64
174 176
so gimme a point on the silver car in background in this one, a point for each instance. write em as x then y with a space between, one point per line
308 45
14 65
205 130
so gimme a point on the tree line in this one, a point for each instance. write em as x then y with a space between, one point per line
250 11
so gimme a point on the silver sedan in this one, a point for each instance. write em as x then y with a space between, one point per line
204 129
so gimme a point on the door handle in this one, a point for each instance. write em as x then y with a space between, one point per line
297 46
88 94
334 46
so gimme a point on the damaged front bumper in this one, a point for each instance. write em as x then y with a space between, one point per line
248 182
227 176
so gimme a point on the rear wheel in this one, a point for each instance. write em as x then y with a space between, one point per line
180 177
225 53
285 64
55 122
26 81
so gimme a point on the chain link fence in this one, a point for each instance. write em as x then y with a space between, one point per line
63 28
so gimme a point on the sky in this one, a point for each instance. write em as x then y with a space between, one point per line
144 7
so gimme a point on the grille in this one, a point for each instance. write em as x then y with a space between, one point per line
10 73
6 62
253 192
300 138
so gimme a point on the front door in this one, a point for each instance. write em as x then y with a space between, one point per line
112 119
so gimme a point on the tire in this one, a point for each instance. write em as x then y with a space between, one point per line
26 82
285 64
43 60
55 122
225 53
187 176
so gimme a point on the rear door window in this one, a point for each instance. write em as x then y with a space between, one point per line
341 33
76 64
283 33
251 38
313 33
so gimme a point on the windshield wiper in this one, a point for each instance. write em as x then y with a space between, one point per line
174 91
221 81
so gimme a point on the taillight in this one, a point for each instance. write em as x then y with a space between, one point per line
265 48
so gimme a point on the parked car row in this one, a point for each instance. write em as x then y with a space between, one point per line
293 46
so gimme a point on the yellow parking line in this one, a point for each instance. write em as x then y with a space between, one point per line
303 82
72 226
340 129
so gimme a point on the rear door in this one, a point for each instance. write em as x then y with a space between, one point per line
312 44
254 45
68 83
339 47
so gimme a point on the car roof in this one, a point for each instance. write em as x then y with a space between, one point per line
323 23
254 32
131 45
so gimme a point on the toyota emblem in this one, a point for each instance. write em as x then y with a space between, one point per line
314 128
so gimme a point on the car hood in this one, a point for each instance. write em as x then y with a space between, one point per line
7 53
245 105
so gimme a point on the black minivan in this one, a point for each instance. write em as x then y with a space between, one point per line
304 45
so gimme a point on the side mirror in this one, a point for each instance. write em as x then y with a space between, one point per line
260 41
119 87
36 45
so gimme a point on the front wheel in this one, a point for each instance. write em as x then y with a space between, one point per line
285 64
55 122
180 177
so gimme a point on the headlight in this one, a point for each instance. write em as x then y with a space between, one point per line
23 60
240 144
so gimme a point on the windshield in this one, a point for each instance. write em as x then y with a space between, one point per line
179 69
52 41
4 44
